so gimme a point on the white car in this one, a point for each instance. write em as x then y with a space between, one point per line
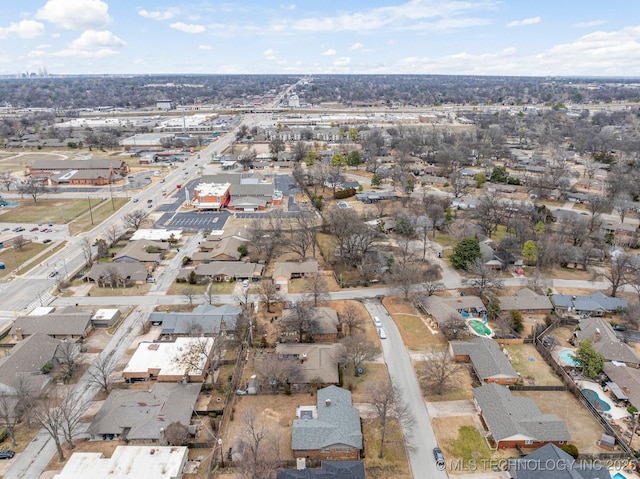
377 322
382 334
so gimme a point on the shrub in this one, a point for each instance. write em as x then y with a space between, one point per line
346 193
570 449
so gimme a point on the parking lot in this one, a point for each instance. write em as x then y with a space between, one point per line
194 221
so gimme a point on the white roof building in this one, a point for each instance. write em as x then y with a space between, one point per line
127 462
156 234
185 357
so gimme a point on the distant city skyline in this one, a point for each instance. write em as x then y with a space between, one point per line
472 37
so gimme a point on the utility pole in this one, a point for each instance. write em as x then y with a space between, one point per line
113 205
90 211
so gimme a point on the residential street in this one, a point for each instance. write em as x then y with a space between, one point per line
421 439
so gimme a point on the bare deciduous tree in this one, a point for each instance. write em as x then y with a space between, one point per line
301 319
438 371
388 403
275 373
99 373
357 350
8 416
135 219
258 446
176 434
317 289
190 294
405 277
269 294
7 180
66 356
482 277
32 186
352 319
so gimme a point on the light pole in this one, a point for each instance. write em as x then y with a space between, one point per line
90 211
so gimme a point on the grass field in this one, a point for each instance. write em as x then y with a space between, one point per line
99 213
12 258
56 210
532 368
394 462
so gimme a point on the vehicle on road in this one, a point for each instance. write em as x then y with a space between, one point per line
18 229
149 200
439 457
149 205
7 229
377 322
382 334
162 180
135 200
7 454
53 274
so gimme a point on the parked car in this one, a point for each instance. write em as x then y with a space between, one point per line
620 327
149 205
35 228
45 241
377 322
439 457
382 334
245 283
43 230
48 230
7 454
18 229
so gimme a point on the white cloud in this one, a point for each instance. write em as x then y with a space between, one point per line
391 17
356 46
291 6
329 52
75 14
205 47
341 62
525 21
188 28
159 15
592 23
93 43
269 54
24 29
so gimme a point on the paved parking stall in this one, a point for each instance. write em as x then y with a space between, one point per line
194 221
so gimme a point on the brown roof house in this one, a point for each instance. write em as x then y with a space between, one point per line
318 362
68 324
284 272
223 250
526 301
223 271
516 421
147 252
117 275
185 359
329 430
140 416
327 323
489 361
605 341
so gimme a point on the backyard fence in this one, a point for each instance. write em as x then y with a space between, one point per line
538 388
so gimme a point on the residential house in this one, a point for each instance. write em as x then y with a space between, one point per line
445 309
26 361
626 379
185 359
624 233
369 197
327 323
515 421
329 430
68 324
223 271
128 462
117 275
140 416
551 462
605 341
595 304
284 272
526 301
146 252
489 361
205 319
225 249
328 470
318 362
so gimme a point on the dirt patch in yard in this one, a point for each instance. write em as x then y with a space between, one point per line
460 388
276 412
412 325
582 426
533 370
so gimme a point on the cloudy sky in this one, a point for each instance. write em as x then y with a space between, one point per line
479 37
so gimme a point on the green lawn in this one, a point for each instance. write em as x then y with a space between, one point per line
56 210
470 445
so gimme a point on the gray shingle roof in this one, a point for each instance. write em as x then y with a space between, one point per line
137 250
329 470
486 356
525 299
594 302
627 378
89 164
605 341
507 415
143 413
205 317
237 269
337 424
54 324
321 360
27 358
288 268
564 466
134 271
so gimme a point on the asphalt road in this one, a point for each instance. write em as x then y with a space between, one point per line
419 436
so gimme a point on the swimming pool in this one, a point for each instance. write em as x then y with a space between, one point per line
594 399
479 328
566 355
